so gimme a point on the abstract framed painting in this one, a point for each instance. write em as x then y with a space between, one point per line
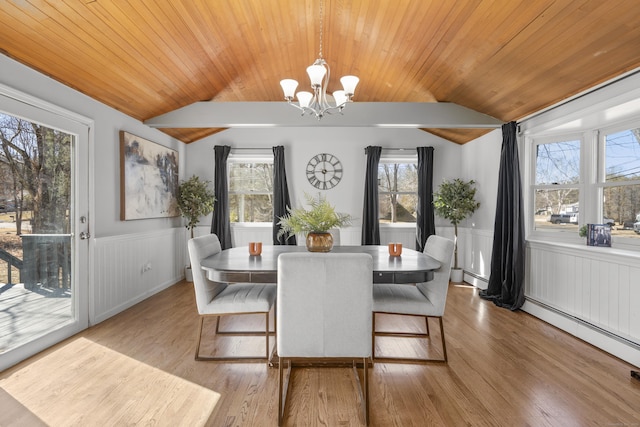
148 179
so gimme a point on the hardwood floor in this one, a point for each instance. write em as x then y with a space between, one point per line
137 368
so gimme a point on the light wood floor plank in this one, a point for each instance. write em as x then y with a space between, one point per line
505 369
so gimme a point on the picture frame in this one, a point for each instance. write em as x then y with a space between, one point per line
148 179
599 235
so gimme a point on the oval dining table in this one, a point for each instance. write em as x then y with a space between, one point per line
237 265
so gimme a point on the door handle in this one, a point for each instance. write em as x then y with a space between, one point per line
84 235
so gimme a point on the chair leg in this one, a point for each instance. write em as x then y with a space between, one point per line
283 388
409 335
237 333
444 346
197 355
366 390
266 337
280 411
237 358
363 387
373 336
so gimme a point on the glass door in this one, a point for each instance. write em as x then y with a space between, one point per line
44 227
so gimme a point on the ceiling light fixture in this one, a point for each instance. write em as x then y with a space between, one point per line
318 103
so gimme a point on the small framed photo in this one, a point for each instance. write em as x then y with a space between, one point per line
599 235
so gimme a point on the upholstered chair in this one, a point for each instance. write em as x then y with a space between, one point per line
424 299
324 312
215 299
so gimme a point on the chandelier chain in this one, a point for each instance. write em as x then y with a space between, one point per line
321 27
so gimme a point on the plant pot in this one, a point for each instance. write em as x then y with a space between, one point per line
457 275
188 274
319 242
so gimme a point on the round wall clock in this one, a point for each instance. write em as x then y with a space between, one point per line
324 171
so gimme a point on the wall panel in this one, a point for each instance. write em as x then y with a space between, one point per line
592 285
132 267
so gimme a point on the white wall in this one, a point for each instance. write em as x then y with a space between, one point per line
345 143
480 162
106 145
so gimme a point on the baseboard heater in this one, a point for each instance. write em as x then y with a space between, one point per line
596 328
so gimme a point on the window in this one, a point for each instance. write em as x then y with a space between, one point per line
620 179
557 185
397 190
251 190
588 178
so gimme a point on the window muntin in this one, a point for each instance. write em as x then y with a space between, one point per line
620 180
556 192
397 191
250 191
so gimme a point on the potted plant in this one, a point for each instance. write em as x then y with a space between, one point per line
455 201
315 222
195 199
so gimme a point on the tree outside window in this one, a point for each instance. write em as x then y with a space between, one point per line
556 189
397 192
251 191
621 179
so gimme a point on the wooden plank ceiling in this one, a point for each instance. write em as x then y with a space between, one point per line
504 58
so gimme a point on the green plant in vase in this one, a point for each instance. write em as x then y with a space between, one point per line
195 200
455 201
315 222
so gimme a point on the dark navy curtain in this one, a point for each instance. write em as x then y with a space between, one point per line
281 200
220 224
506 282
370 220
425 220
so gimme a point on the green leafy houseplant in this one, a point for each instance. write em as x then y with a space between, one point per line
455 201
319 218
195 199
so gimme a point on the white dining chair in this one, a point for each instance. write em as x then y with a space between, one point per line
214 299
324 312
423 300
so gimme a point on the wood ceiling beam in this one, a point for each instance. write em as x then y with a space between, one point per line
443 115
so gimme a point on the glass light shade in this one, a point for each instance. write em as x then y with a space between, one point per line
316 74
340 97
289 87
349 84
304 98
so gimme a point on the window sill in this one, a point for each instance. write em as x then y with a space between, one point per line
581 249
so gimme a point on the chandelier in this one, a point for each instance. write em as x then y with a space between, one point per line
319 103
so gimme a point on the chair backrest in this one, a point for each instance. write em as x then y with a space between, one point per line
200 248
325 303
441 249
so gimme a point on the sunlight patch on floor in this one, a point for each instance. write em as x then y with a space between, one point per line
103 387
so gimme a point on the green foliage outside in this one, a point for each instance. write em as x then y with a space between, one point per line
320 218
195 199
455 201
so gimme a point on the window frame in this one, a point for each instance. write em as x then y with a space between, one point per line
601 183
397 158
591 186
533 142
246 158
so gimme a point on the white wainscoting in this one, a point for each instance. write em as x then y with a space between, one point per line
592 293
132 267
474 255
